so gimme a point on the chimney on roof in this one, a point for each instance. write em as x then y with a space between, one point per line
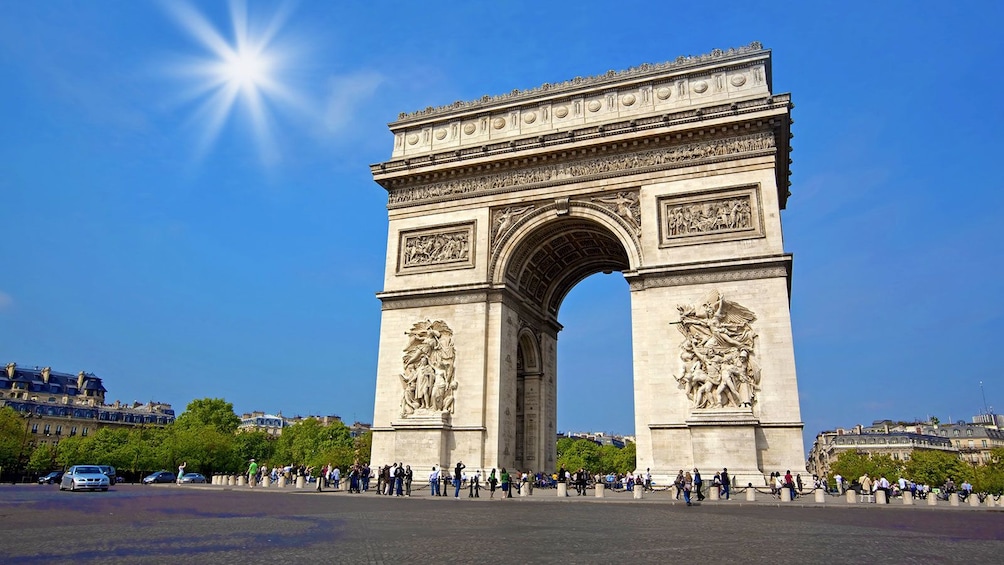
45 374
80 380
10 370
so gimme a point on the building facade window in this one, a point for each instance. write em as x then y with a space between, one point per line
59 430
84 432
46 430
34 428
73 431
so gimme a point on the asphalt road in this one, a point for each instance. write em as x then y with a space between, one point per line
171 524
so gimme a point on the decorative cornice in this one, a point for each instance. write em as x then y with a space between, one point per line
595 168
774 267
682 62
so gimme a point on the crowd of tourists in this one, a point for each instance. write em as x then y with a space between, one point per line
868 485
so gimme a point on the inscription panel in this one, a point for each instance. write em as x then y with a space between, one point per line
710 216
437 249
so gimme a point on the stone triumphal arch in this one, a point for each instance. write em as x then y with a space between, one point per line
674 175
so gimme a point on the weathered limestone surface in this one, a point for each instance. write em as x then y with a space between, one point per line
673 175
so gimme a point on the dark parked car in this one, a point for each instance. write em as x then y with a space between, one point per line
110 472
51 479
193 478
159 477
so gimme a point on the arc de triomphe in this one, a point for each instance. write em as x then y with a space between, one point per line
673 174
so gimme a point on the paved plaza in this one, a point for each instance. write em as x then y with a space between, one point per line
167 523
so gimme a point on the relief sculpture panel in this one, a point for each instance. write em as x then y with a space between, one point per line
718 367
428 379
437 249
720 215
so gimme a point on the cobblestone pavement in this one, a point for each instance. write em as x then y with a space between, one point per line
167 523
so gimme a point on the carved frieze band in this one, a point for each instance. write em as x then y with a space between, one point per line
709 276
436 249
586 169
712 216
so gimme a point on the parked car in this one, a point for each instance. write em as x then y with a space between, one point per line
51 479
84 477
193 478
159 477
110 472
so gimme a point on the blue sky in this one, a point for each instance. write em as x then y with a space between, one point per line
179 264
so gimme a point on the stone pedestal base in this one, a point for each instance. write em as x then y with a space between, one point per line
786 495
932 499
880 496
639 492
266 481
714 494
989 501
820 495
282 481
953 499
422 438
600 488
301 482
750 495
974 500
562 489
852 497
231 481
242 481
907 498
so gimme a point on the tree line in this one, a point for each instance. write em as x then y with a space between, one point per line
925 466
204 436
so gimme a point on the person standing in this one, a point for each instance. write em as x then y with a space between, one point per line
252 473
688 485
458 473
492 481
181 471
434 482
726 483
648 479
679 484
399 479
505 483
697 485
408 477
320 478
336 477
840 483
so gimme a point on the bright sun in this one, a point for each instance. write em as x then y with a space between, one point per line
241 69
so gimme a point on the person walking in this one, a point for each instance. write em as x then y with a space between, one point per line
492 481
688 485
697 485
252 473
726 483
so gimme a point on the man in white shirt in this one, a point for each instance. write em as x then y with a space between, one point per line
840 483
434 481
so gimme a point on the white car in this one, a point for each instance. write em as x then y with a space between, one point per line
84 477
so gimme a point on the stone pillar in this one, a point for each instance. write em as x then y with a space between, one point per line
907 498
214 479
852 497
880 496
932 499
974 500
600 488
672 492
562 490
242 481
820 495
989 501
953 499
639 492
266 481
282 481
231 481
714 493
750 494
785 494
524 490
301 481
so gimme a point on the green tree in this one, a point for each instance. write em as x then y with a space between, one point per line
213 413
579 453
933 467
257 445
851 465
13 432
42 459
989 477
311 443
363 445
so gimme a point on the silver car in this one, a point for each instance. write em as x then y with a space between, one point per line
84 477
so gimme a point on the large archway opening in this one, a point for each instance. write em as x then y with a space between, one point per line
549 261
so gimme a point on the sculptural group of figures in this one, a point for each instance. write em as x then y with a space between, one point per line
428 369
731 214
437 248
718 368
